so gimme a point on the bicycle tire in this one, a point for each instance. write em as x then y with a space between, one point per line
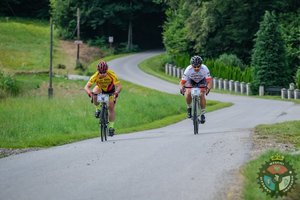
103 123
195 115
102 132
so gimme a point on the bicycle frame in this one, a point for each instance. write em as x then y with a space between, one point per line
195 93
103 99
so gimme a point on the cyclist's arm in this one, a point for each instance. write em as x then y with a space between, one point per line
182 83
207 77
87 88
118 87
209 83
90 82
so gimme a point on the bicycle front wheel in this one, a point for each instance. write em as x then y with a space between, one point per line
195 115
103 124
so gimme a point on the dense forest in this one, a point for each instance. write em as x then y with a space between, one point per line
210 28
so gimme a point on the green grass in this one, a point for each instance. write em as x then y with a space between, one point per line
32 120
155 67
24 44
250 172
286 133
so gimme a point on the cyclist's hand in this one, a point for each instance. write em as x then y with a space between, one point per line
90 94
207 91
116 94
182 90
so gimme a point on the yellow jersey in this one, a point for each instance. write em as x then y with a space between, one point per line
105 83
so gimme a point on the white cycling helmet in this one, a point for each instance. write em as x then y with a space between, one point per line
196 60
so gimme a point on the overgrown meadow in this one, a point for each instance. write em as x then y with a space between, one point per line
33 120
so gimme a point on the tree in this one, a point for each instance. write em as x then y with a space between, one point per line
25 8
202 24
215 27
290 24
269 56
174 35
125 20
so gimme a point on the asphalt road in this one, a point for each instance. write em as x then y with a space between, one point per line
169 163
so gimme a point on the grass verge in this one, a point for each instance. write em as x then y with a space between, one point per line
155 66
283 133
32 120
250 172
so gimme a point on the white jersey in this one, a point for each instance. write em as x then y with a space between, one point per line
190 74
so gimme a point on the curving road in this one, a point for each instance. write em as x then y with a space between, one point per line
169 163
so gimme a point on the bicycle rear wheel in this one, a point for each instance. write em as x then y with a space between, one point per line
195 115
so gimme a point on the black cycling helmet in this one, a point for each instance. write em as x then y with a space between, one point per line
102 67
196 60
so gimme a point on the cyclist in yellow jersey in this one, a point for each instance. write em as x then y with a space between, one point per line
106 81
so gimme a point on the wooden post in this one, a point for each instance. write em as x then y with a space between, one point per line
50 89
78 37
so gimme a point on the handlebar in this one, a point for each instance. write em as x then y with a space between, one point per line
94 94
201 86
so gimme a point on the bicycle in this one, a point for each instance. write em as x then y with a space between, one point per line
195 92
103 99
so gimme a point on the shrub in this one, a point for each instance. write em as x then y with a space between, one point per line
221 70
8 85
182 60
98 41
297 78
230 60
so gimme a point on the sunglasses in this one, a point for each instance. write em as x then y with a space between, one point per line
197 67
102 72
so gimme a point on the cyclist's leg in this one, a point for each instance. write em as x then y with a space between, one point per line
96 90
188 96
111 116
202 100
188 99
202 105
111 108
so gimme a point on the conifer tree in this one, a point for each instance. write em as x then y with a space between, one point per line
269 56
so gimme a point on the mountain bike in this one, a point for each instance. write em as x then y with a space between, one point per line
103 99
195 92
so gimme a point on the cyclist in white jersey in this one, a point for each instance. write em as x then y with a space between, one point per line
196 74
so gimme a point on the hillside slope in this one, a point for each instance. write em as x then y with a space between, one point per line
25 46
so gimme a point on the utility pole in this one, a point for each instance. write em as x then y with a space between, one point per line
78 42
50 89
129 44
